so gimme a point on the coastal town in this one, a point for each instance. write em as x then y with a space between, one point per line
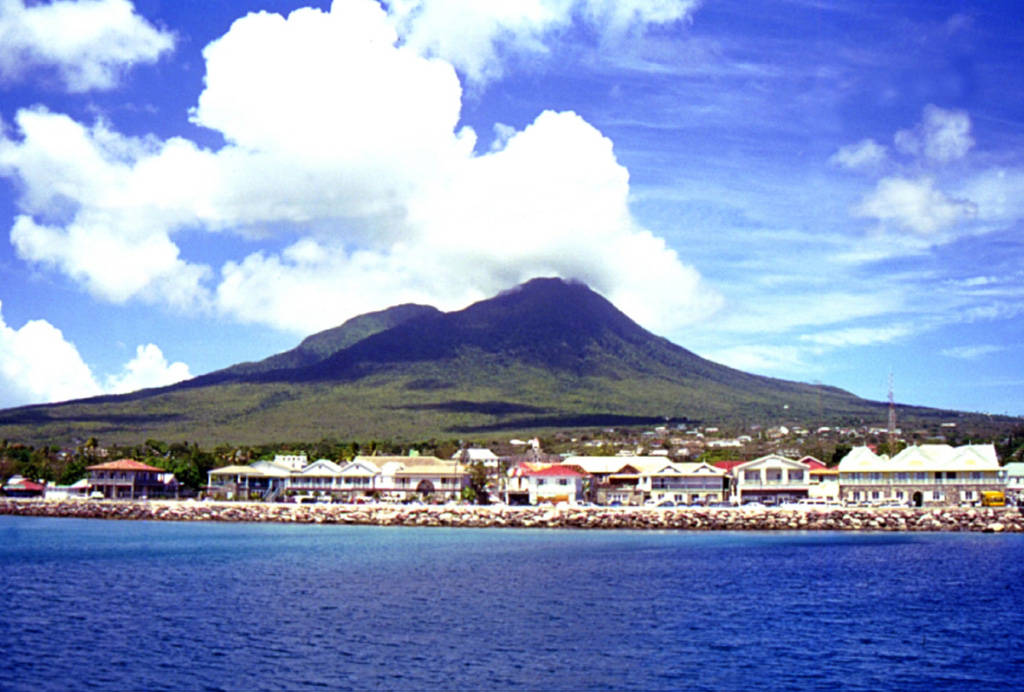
521 473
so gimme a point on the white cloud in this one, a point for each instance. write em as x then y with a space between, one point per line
866 153
762 358
972 352
347 138
915 205
475 36
857 336
940 137
38 365
88 42
149 368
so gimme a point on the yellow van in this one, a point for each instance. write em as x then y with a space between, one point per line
993 498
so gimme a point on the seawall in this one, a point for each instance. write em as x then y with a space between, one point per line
985 519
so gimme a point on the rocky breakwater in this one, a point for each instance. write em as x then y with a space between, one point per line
991 520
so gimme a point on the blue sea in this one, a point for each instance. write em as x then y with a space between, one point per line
104 605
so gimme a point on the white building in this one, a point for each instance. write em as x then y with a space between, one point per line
771 479
923 475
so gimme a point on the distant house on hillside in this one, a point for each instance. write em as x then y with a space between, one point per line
472 455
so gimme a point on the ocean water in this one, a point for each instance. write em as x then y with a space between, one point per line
103 605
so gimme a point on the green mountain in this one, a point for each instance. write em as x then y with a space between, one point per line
547 355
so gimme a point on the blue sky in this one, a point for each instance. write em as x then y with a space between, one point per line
818 191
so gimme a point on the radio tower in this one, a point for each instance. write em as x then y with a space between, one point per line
892 420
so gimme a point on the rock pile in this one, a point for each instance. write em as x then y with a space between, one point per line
988 519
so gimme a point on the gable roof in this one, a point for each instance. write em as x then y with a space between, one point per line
124 465
557 470
925 458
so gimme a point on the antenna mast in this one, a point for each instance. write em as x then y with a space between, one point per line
892 419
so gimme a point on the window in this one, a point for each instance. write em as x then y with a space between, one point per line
796 476
968 494
899 494
540 481
563 481
936 494
902 476
951 474
875 495
751 476
977 475
774 475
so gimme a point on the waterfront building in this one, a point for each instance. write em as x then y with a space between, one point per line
322 477
419 476
616 480
1013 475
555 483
19 486
920 475
262 480
771 479
684 484
129 479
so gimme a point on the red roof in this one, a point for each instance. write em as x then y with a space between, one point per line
24 484
124 465
555 470
728 465
813 463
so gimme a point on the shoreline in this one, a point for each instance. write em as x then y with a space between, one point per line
972 519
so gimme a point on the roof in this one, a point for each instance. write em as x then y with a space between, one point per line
777 458
729 465
23 484
690 468
559 470
609 465
124 465
441 468
476 454
924 458
812 462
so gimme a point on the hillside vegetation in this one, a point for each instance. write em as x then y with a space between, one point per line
547 355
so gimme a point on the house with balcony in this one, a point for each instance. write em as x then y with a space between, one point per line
615 480
921 475
417 476
690 483
262 480
554 484
128 479
319 478
1013 476
771 480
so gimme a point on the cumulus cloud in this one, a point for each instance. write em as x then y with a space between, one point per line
866 153
940 137
475 36
39 365
89 43
915 205
149 368
340 133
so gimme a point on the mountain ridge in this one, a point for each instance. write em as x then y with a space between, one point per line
547 354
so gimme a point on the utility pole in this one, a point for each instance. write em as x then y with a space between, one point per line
892 419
